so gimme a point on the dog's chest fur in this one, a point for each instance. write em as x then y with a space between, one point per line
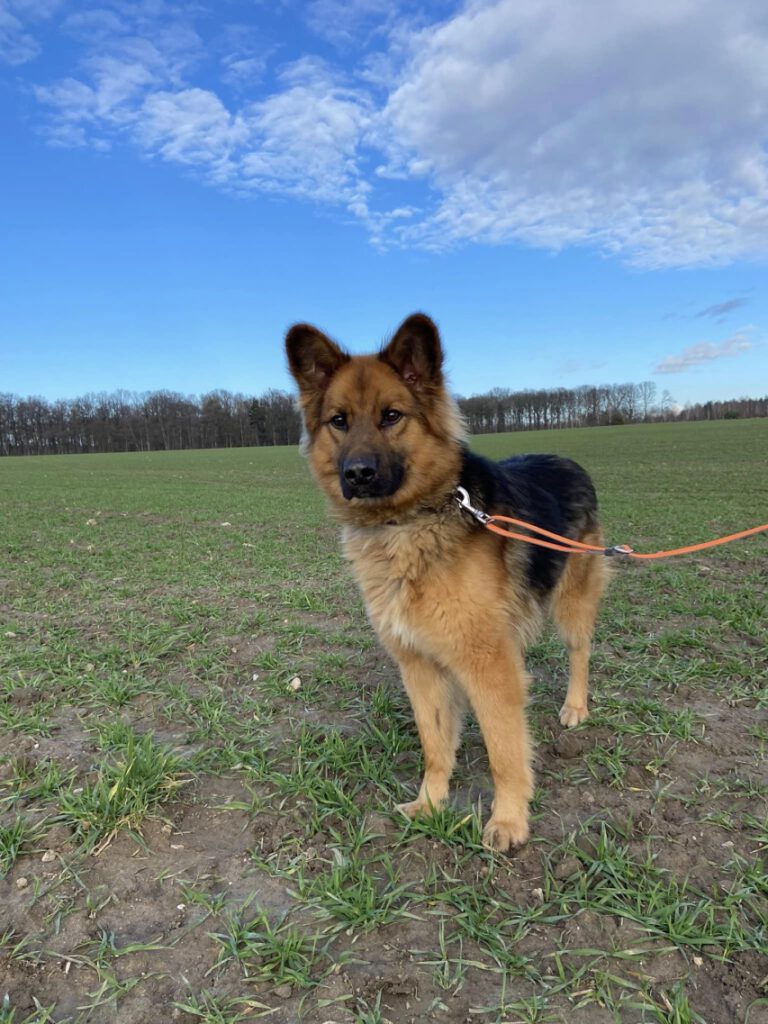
427 585
401 571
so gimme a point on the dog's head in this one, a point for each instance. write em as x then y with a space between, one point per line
381 431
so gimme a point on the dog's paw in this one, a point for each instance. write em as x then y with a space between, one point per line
416 809
571 715
503 833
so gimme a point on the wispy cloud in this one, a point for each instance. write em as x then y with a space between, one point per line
244 55
307 138
191 126
720 309
535 121
558 124
704 352
18 19
16 45
342 22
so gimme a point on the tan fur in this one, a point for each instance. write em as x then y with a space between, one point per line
449 602
574 609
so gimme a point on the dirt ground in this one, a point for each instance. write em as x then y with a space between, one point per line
266 875
210 836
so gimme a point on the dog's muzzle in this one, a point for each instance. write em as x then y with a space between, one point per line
368 476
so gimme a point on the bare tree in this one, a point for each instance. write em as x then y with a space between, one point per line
646 391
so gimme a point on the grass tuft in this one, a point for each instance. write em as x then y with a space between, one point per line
131 784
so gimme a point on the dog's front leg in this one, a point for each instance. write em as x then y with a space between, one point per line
495 681
438 709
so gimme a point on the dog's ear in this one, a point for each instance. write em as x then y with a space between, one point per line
415 353
313 358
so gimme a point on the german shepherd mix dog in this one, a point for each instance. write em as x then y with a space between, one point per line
455 604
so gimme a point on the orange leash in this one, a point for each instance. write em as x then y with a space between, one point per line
576 547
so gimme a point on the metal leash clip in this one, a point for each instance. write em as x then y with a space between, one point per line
619 549
462 496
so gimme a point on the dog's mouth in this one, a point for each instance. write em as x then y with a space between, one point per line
370 477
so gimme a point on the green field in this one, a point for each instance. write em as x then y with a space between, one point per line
188 835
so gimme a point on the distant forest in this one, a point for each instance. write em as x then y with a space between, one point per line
163 420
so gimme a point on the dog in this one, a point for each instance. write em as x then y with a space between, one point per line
454 604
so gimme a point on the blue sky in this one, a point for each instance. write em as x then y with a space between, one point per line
576 190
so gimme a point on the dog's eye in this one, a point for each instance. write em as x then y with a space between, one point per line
339 421
390 416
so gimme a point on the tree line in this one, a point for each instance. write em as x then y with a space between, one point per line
153 421
555 408
165 420
593 406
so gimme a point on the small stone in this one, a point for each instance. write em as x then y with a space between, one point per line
673 811
22 883
567 745
48 856
378 823
568 866
636 778
284 991
295 684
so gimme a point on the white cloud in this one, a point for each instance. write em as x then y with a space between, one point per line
704 352
190 127
86 114
244 53
17 42
307 138
118 83
243 70
303 140
638 129
16 45
120 69
342 22
94 26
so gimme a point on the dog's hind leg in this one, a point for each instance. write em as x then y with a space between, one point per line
574 609
438 707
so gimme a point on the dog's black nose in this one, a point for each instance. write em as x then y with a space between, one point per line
360 470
